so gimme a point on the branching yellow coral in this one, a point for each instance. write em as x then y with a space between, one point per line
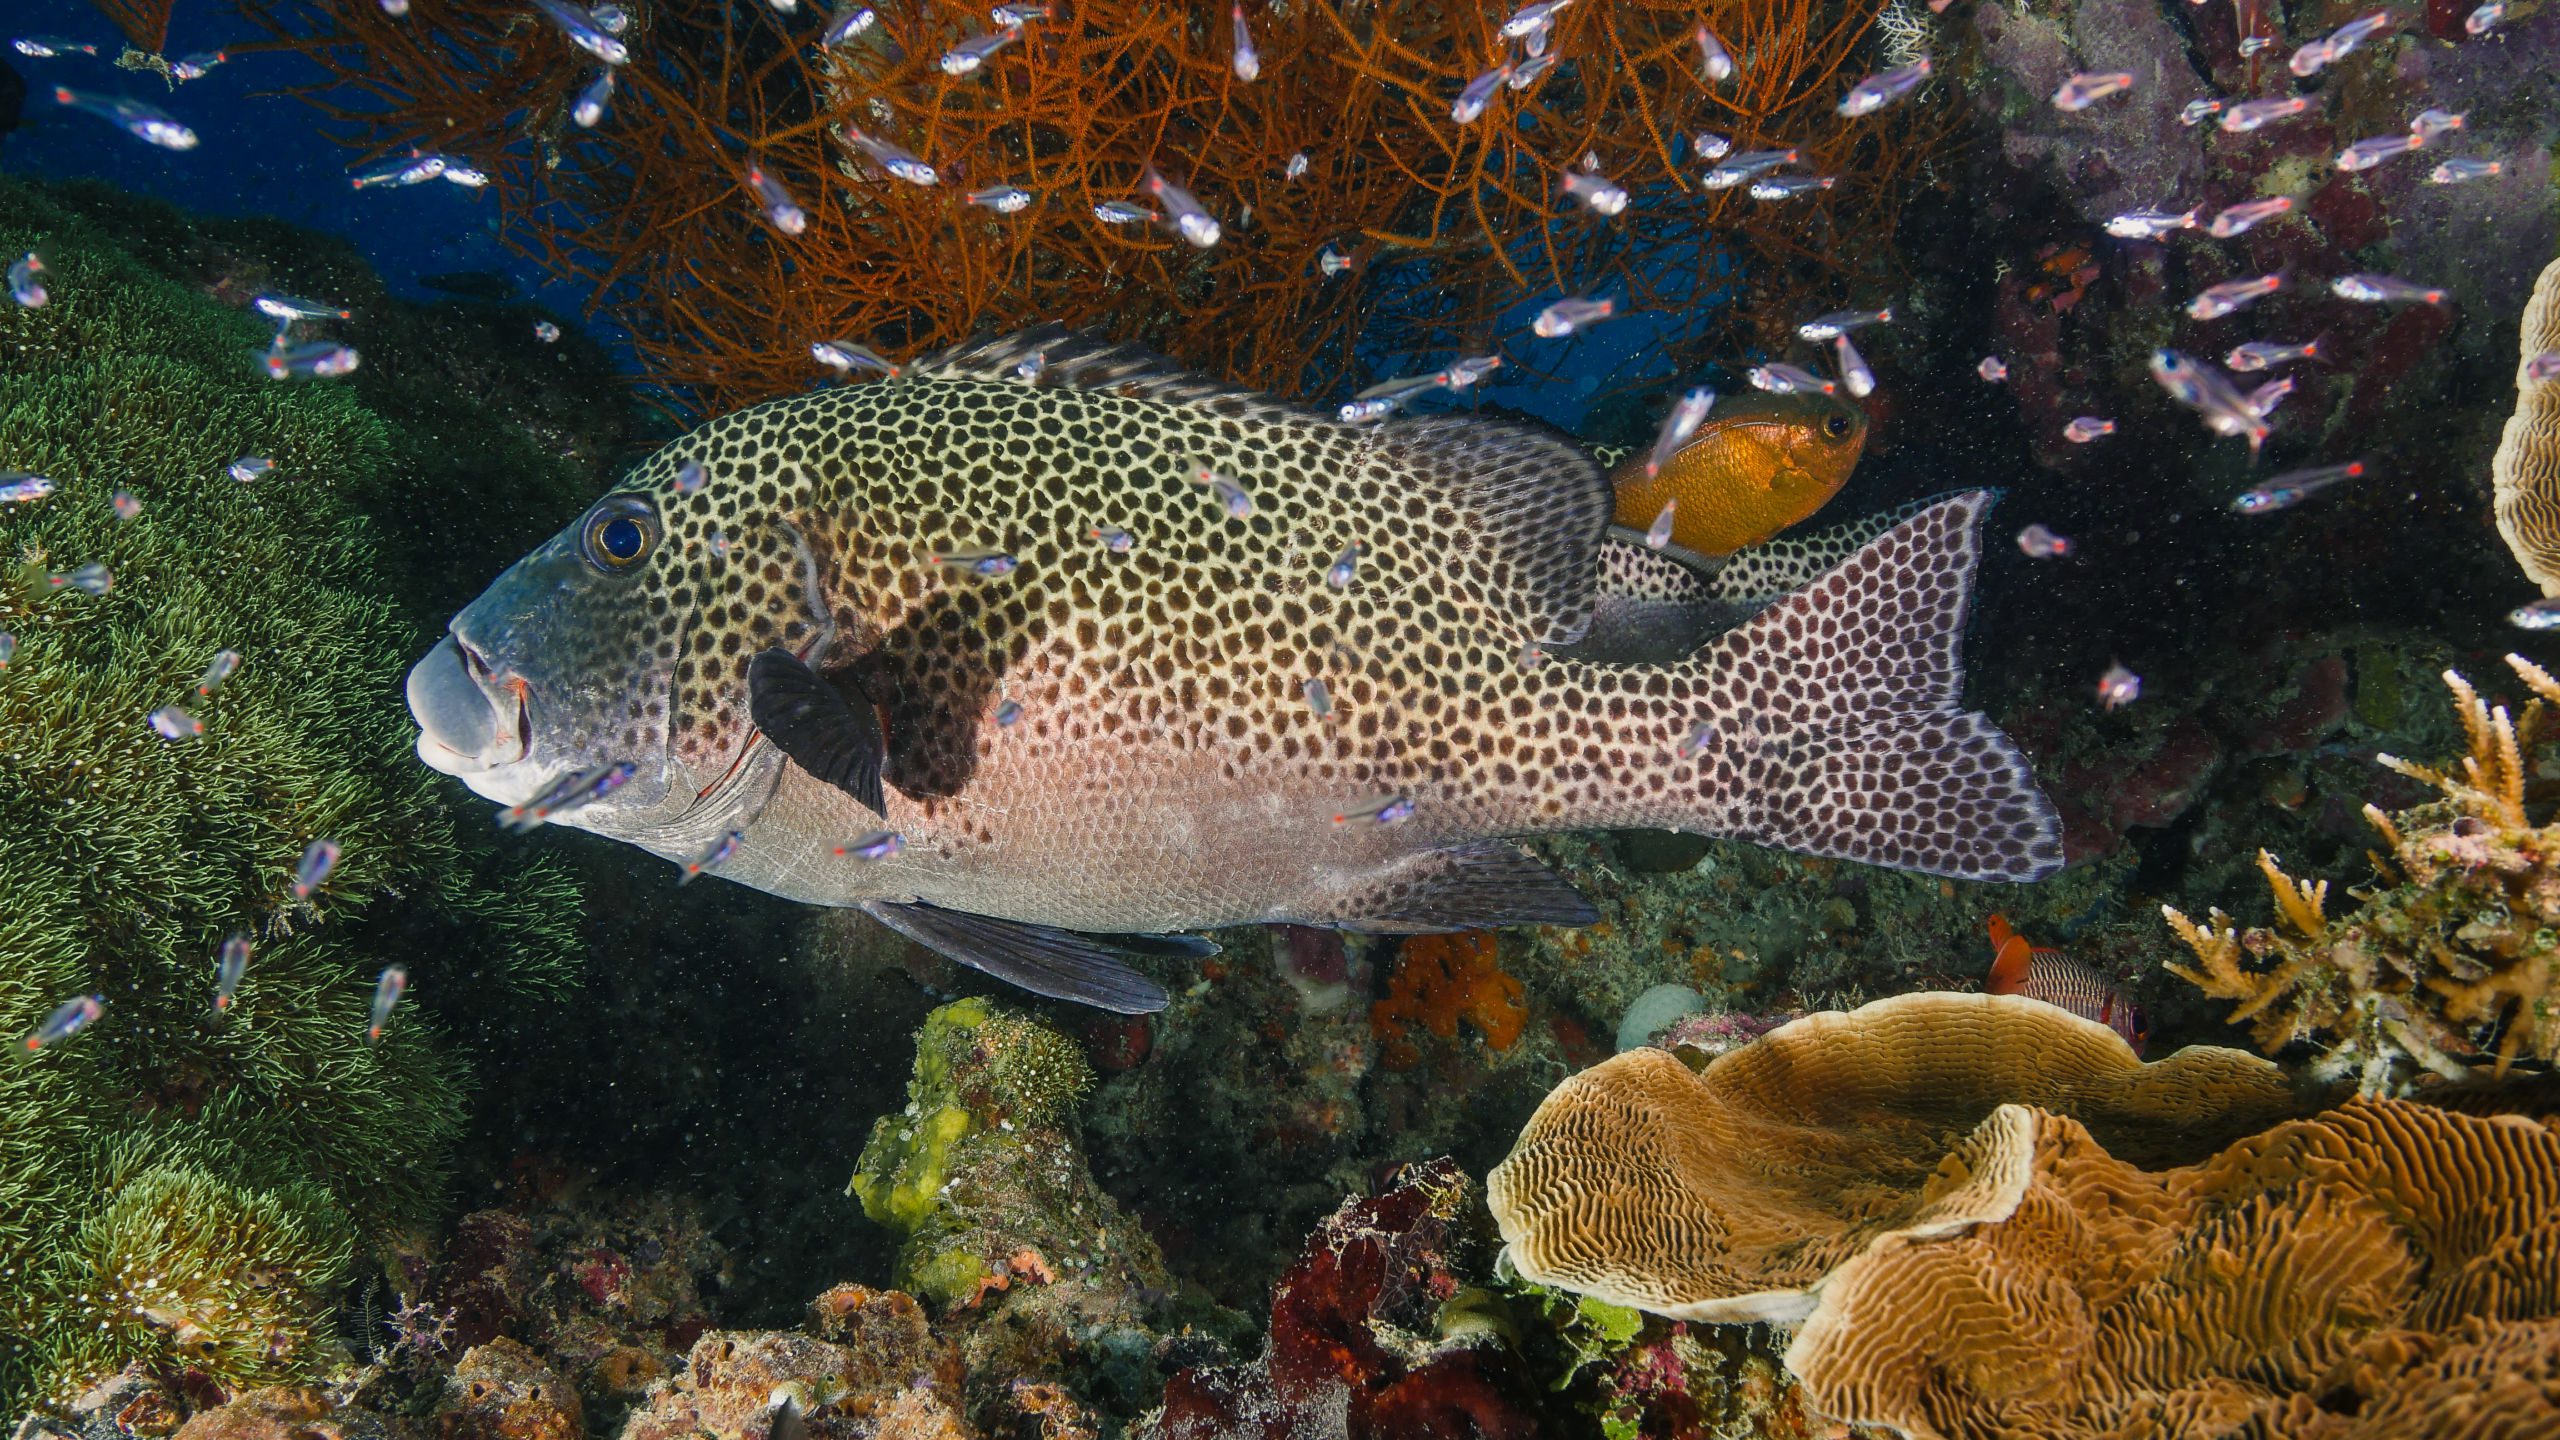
2453 960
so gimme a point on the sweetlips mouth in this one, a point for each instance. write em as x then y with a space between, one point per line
470 720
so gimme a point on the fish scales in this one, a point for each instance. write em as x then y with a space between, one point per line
1166 772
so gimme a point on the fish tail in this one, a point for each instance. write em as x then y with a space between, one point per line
1837 725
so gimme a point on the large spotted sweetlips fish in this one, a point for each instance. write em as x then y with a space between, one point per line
1024 626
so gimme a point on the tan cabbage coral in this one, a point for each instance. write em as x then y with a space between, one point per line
2526 473
2384 1269
1724 1194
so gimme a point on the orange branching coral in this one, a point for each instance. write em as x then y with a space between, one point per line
144 22
2452 957
1448 227
1440 980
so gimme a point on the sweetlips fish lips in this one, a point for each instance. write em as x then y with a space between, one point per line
883 611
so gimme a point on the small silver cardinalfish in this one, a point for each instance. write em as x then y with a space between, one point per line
387 990
824 683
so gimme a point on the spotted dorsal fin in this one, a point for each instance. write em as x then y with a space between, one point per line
1533 505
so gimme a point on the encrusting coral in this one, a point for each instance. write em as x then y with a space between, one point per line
1727 1194
1445 225
2305 1284
2452 960
2525 475
1440 980
177 1186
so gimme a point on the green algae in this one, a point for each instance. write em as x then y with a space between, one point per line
274 1132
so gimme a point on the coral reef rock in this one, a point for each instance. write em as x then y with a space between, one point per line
1727 1194
2451 958
770 1384
2376 1270
2526 473
503 1391
1360 1346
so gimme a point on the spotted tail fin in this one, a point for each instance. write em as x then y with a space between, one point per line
1837 725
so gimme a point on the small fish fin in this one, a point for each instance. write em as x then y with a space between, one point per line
2011 964
1042 959
808 719
1654 607
1770 571
1077 360
1473 887
1845 737
1533 505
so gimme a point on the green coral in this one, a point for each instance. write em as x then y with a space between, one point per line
983 1162
274 1131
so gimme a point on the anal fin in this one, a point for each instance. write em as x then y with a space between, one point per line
807 718
1473 887
1042 959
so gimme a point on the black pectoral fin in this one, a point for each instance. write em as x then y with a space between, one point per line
809 719
1042 959
1475 887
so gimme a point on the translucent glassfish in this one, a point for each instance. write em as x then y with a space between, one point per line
20 487
1121 212
587 110
1345 567
2086 428
878 845
2118 687
223 666
2039 543
1318 698
714 857
1993 369
50 47
1469 105
2086 89
2365 154
312 871
146 123
612 17
2265 354
127 505
1369 411
88 580
1296 169
851 21
1710 146
546 332
2484 19
1115 539
171 723
1566 316
2435 122
1788 187
1853 367
1530 71
1466 372
318 360
2250 115
1657 536
900 164
583 30
779 208
1385 810
2542 368
2152 224
2240 219
570 793
1714 61
250 468
2384 289
1780 378
411 169
387 990
2459 170
288 309
1014 17
229 968
1701 738
1604 196
965 57
24 287
8 649
1190 218
1008 714
1246 60
2292 488
1530 19
1877 91
846 356
1841 322
2233 295
2199 111
1687 414
1331 262
985 564
1002 199
68 1019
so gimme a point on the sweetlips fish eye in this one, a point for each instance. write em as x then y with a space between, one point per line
619 533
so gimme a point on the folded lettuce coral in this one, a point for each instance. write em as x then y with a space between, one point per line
1727 1194
2452 962
2305 1284
2526 473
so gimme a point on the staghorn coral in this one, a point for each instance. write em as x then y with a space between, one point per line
1727 1194
2526 473
2368 1271
130 858
1440 980
1448 226
2451 958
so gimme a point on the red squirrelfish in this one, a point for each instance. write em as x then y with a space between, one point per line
2018 968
